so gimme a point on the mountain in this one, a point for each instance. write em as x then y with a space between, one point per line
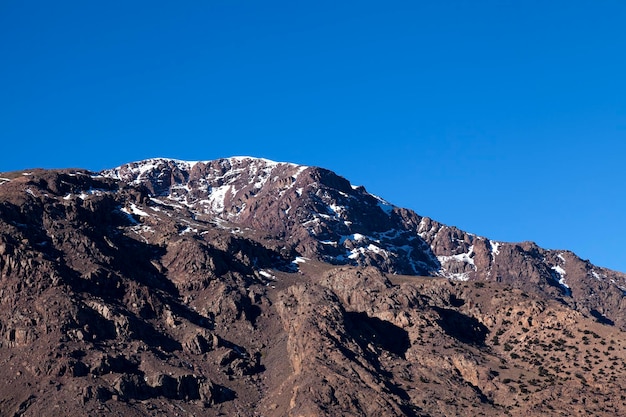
243 286
320 215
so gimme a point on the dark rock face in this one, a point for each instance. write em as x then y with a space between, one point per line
244 286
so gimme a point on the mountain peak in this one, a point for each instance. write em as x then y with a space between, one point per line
321 215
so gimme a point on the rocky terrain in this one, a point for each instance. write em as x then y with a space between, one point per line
247 287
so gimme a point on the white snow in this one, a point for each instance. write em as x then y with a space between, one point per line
335 209
266 274
85 194
559 270
495 247
134 210
463 257
357 252
375 249
251 158
300 170
163 203
460 258
138 169
262 179
4 180
218 197
423 231
357 236
139 229
598 276
128 215
460 276
300 260
143 228
214 188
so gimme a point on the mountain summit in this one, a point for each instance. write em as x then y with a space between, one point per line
252 287
320 215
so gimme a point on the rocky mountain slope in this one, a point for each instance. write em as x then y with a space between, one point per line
247 287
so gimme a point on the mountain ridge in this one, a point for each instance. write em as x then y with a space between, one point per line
394 239
244 286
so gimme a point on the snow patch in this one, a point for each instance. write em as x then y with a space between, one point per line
163 203
85 194
300 170
466 258
356 236
495 247
188 229
561 273
599 277
266 274
463 257
129 216
218 197
136 210
356 253
458 276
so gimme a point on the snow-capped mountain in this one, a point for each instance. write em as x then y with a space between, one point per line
321 215
242 286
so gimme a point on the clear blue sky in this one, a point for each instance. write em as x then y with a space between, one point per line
504 118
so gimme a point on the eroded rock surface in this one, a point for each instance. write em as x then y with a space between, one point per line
247 287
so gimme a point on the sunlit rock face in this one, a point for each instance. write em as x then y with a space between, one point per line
251 287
